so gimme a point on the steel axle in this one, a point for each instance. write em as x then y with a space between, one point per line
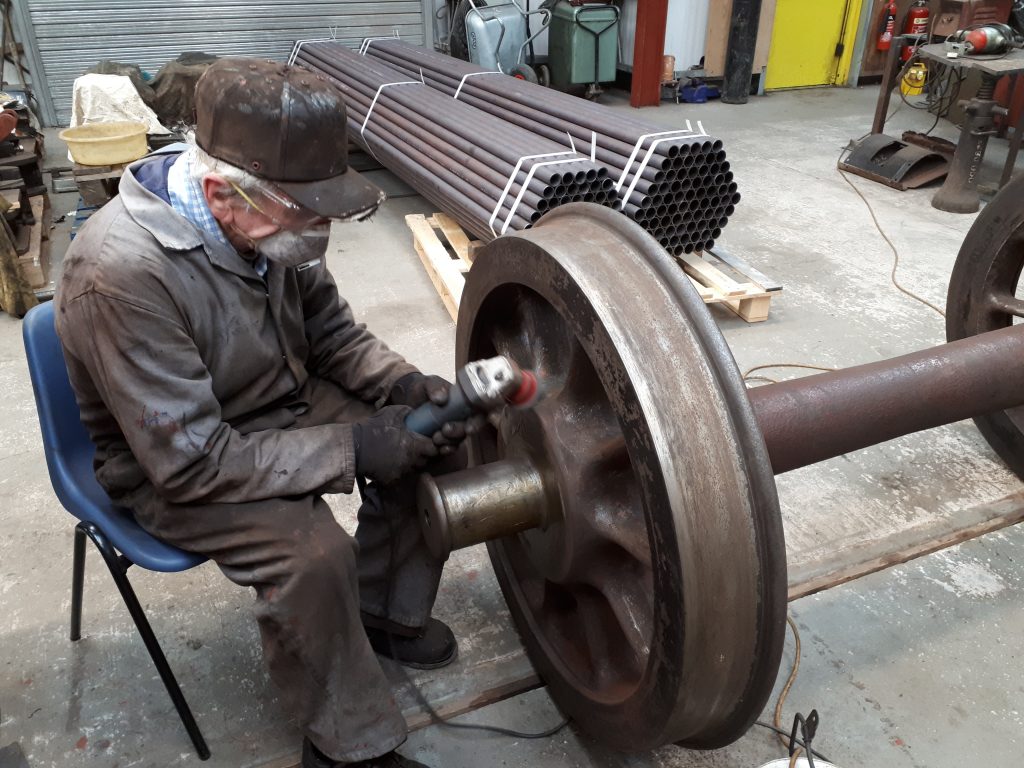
803 421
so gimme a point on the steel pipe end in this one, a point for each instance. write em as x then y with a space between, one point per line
479 504
433 518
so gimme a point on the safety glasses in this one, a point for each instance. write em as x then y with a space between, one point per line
284 212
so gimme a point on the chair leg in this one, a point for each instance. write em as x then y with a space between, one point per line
77 583
119 571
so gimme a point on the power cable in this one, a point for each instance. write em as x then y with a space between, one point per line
784 365
784 736
777 719
892 247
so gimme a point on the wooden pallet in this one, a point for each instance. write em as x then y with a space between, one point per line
721 278
446 252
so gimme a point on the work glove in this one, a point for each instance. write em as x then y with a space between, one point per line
414 389
385 450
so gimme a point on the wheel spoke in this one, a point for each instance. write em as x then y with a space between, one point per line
582 383
1011 305
607 501
620 523
594 618
512 344
628 593
548 336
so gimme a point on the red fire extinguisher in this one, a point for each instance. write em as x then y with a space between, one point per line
888 27
918 19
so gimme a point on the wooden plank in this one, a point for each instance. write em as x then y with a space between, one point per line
105 176
441 268
709 275
457 238
748 300
93 172
450 303
717 38
705 293
873 556
753 310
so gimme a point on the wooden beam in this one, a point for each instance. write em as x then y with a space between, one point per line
719 16
648 52
853 562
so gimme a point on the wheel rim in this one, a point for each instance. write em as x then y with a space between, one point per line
648 620
985 294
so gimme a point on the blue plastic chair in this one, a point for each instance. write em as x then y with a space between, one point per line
120 540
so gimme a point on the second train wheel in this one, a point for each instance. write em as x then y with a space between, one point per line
985 293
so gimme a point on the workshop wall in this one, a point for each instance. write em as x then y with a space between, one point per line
63 38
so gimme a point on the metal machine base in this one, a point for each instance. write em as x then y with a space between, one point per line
895 163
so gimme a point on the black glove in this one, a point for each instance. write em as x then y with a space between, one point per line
414 389
385 449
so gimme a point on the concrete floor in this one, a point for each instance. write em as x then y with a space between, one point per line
916 666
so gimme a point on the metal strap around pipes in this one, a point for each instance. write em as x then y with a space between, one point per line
814 418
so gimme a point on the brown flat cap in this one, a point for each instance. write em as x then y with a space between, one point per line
286 125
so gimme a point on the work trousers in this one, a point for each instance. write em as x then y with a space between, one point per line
311 581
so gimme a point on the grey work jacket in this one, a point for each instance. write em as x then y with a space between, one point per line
188 367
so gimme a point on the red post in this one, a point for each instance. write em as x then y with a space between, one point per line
648 51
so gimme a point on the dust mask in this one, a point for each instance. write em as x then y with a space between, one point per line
293 249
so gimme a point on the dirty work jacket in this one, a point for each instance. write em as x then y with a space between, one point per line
188 367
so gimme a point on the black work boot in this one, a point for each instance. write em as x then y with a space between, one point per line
431 647
314 758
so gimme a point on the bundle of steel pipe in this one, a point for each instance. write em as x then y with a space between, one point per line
458 157
676 184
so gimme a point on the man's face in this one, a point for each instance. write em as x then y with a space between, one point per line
249 217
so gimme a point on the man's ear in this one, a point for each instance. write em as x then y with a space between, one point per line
218 193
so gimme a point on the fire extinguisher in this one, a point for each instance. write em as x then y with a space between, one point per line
918 19
888 27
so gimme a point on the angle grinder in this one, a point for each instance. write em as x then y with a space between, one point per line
482 386
983 40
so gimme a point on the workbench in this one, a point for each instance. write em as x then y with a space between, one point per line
959 193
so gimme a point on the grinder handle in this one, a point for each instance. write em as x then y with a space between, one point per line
429 418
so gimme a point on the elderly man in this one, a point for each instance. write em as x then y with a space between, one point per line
227 386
